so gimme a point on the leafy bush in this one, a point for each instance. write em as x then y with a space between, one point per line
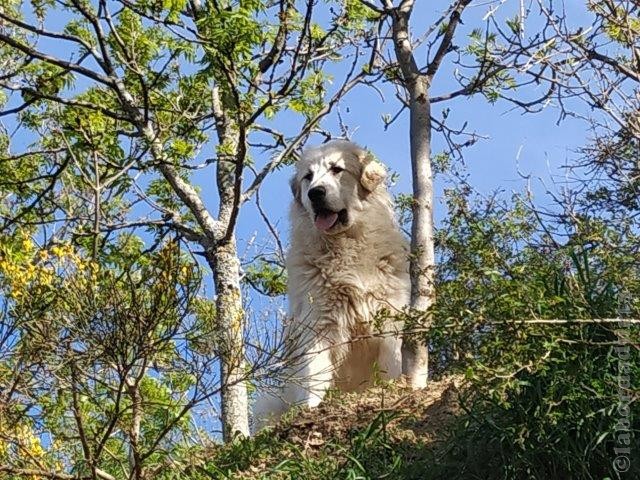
526 311
519 311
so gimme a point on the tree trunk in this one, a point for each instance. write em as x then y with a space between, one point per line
415 358
135 462
230 319
222 257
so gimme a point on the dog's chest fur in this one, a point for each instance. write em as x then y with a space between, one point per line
347 281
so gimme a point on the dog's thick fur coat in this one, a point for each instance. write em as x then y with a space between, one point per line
347 278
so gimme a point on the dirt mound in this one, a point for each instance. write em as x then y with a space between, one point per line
411 414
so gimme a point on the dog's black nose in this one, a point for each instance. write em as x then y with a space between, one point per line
317 194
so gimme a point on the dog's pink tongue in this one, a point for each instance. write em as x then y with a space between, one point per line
325 221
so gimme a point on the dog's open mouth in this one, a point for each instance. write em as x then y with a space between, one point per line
326 219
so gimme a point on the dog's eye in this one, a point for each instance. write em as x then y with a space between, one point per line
308 176
336 169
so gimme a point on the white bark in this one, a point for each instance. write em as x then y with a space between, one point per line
415 356
225 266
135 462
230 318
414 353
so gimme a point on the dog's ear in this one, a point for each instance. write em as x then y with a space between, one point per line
373 172
295 188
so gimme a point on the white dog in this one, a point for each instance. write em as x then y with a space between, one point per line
347 277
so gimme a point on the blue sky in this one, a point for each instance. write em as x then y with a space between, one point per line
517 144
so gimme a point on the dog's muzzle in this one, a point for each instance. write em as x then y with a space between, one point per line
325 217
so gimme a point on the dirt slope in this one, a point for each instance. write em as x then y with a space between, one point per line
329 441
424 413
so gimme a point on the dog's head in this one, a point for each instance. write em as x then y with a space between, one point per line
333 181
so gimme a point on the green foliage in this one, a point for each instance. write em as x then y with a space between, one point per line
545 396
495 267
620 23
515 24
49 80
309 99
104 341
404 209
40 7
614 183
485 50
268 278
358 15
80 29
233 32
205 334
